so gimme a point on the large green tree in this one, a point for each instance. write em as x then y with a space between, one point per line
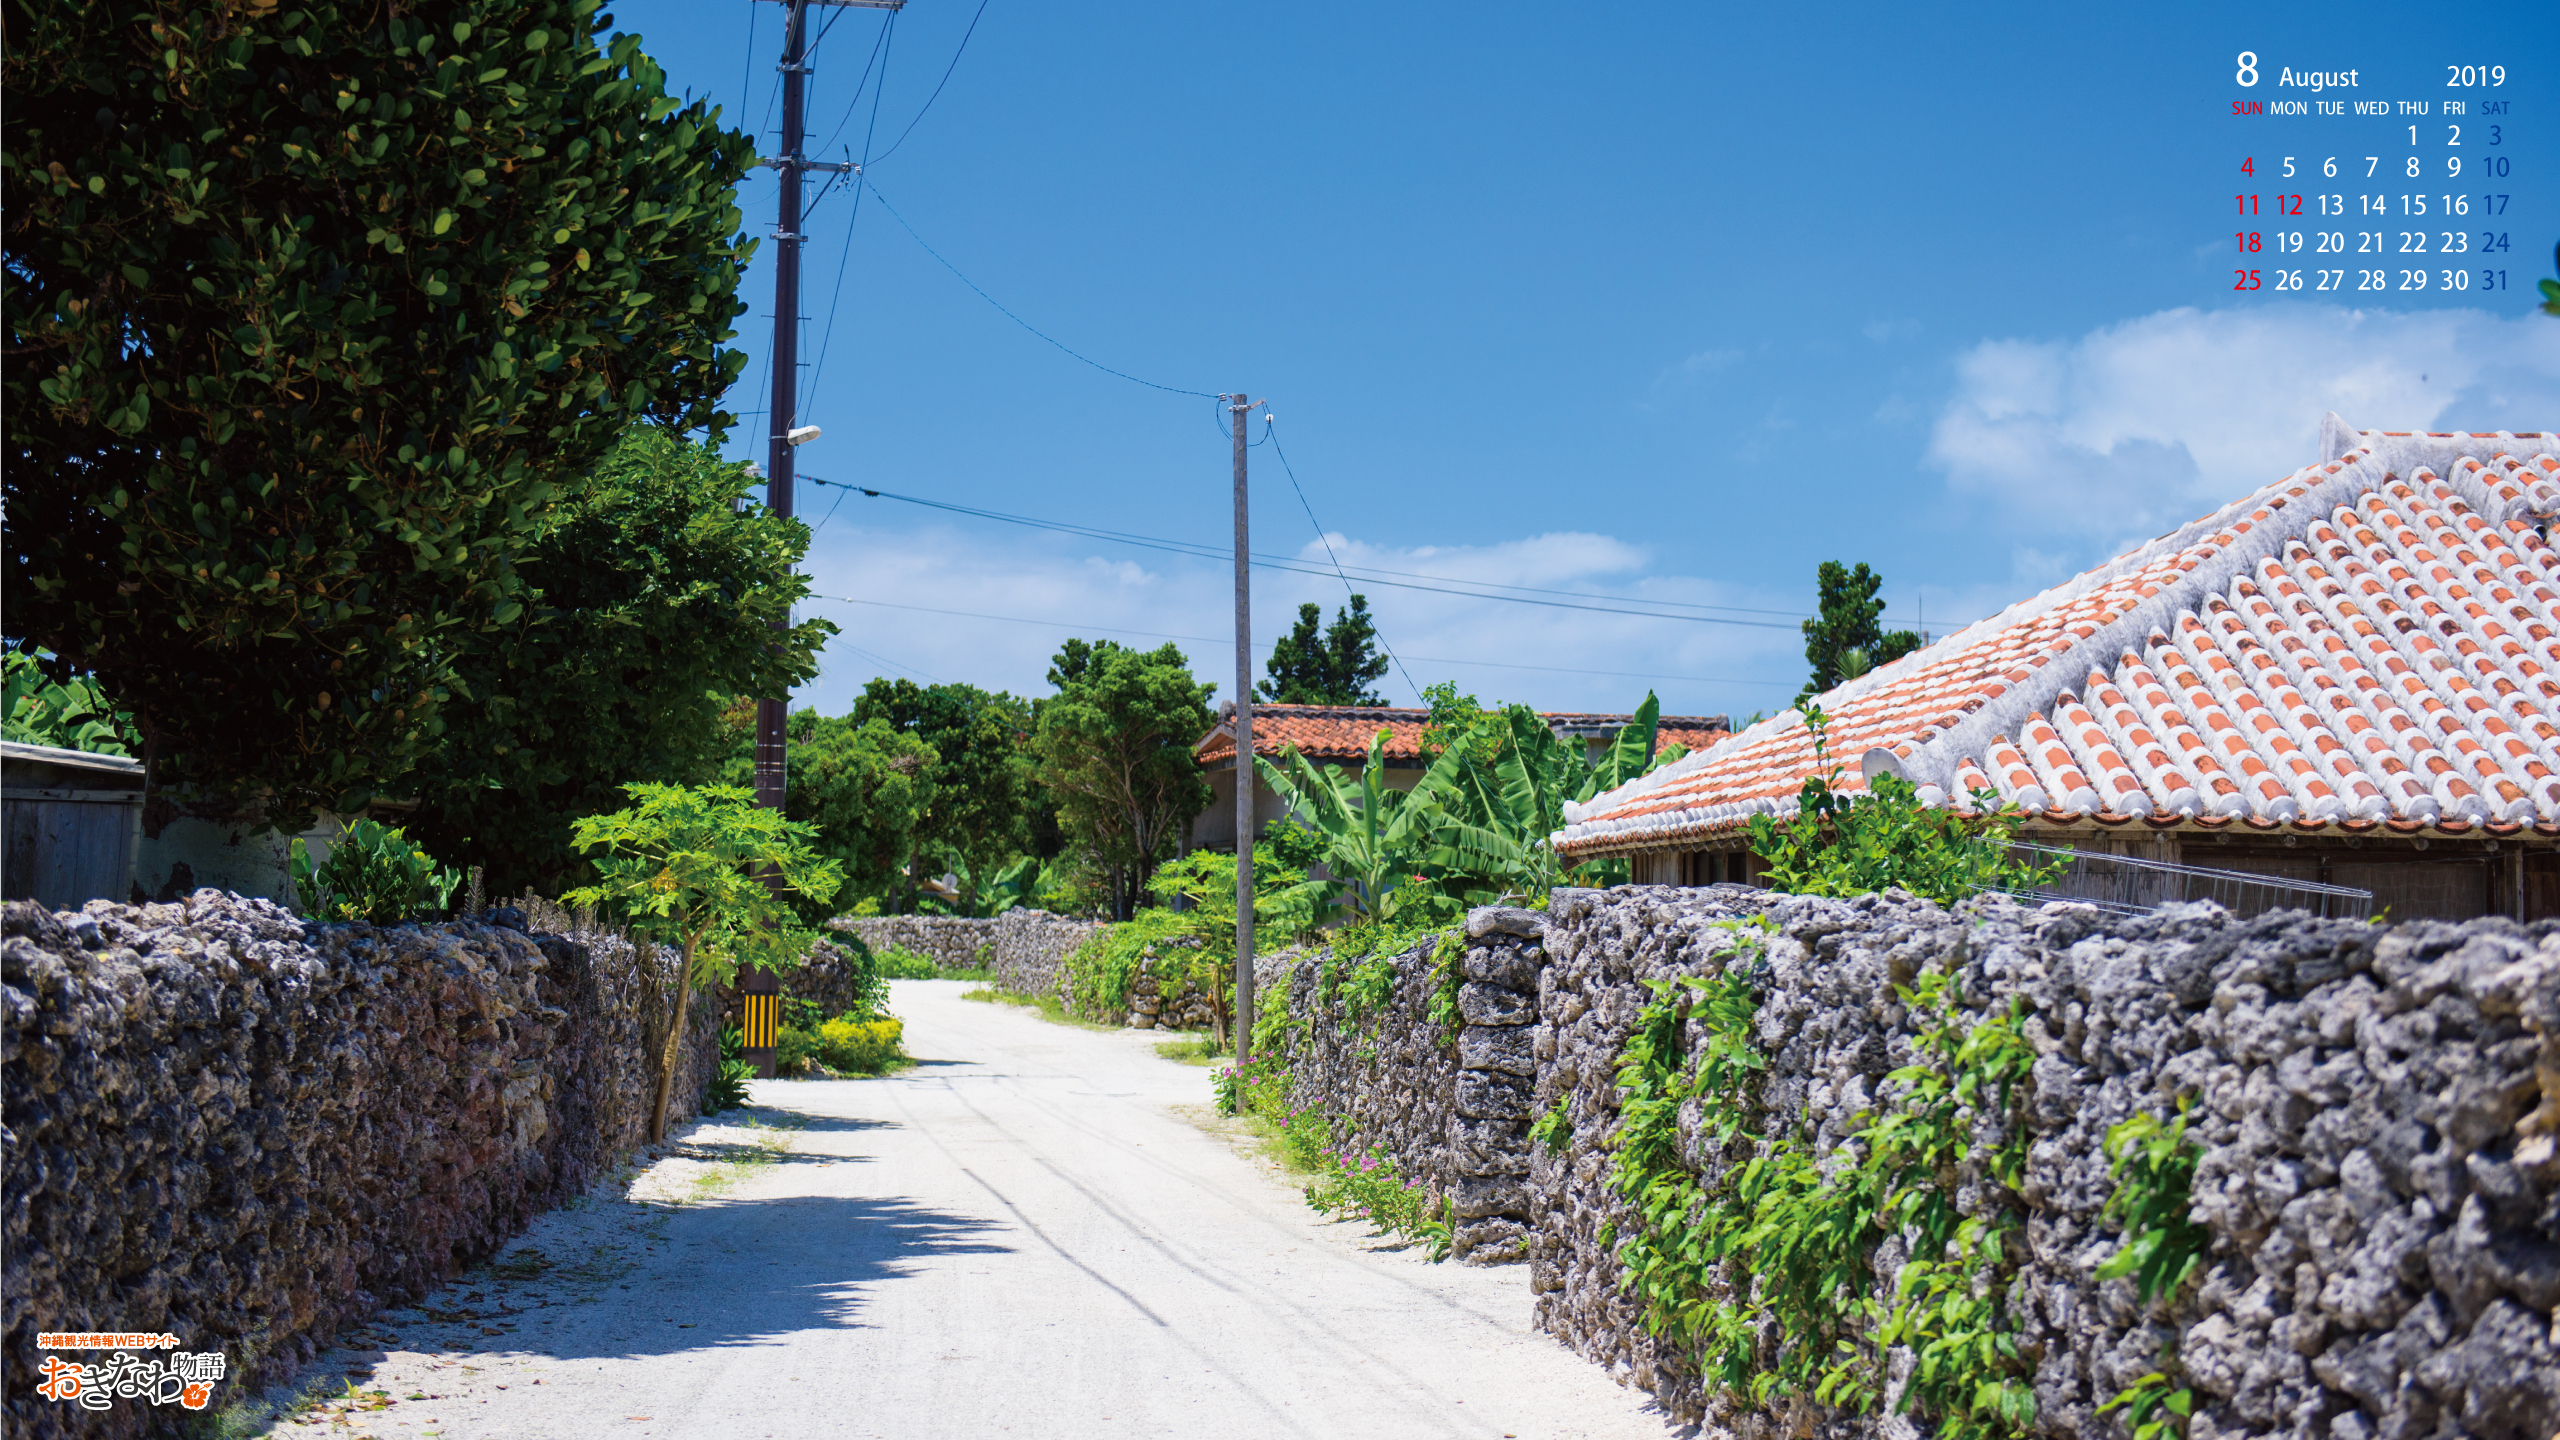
313 309
864 786
1115 747
658 589
1843 640
1334 667
981 806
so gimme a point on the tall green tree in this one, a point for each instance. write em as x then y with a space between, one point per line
863 786
658 590
981 808
1115 747
1335 667
313 309
1843 639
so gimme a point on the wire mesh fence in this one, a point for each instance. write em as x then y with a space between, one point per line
2128 886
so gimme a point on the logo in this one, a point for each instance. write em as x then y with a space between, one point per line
184 1378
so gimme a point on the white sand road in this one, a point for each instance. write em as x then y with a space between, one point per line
1040 1230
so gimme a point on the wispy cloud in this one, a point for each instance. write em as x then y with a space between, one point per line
2137 426
991 609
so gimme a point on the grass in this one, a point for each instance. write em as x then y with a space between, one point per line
765 1145
1193 1050
1049 1007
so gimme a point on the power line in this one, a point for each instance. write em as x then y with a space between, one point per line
1273 562
826 339
1016 319
1054 624
1273 432
937 89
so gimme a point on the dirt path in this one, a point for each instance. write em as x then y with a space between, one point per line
1030 1233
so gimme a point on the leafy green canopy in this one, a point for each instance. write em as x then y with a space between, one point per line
311 308
660 590
1849 844
1115 748
1332 668
978 814
861 786
1843 641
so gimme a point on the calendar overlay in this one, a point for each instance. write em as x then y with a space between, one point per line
2372 189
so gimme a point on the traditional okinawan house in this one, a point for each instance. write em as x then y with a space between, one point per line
1339 735
2348 678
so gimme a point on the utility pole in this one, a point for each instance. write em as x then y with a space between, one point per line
761 989
1239 407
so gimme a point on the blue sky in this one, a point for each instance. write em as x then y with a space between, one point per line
1664 302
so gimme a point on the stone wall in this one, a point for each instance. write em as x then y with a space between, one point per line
1024 949
1451 1110
254 1133
1032 947
2377 1109
834 977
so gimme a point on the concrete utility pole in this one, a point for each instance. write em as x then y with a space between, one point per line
761 989
1239 407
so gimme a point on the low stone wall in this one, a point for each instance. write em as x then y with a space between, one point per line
1452 1110
1024 949
834 977
254 1133
1032 947
2379 1182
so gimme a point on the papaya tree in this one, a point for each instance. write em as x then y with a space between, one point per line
689 866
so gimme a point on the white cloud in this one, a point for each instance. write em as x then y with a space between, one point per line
2138 426
1045 589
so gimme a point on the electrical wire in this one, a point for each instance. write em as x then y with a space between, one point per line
1229 640
1016 319
1287 563
1271 432
888 33
937 89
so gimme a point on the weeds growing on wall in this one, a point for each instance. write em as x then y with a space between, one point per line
1786 1236
2153 1165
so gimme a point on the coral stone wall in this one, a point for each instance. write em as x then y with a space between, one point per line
2376 1106
1451 1109
1025 949
252 1132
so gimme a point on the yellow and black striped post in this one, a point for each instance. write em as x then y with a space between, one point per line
760 992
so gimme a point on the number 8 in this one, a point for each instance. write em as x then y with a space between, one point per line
2248 68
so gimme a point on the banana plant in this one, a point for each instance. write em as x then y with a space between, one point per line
1394 852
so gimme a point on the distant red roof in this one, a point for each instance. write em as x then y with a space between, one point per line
2371 642
1342 732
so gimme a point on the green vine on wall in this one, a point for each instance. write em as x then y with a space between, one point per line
1787 1236
2153 1164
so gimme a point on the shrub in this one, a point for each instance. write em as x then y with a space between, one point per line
897 962
727 1088
1843 843
861 1047
372 874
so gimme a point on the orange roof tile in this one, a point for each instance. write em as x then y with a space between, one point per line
2374 638
1342 732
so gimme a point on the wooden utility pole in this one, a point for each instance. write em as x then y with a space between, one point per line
761 989
1239 407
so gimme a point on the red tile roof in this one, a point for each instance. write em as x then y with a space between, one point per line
1342 732
2371 643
